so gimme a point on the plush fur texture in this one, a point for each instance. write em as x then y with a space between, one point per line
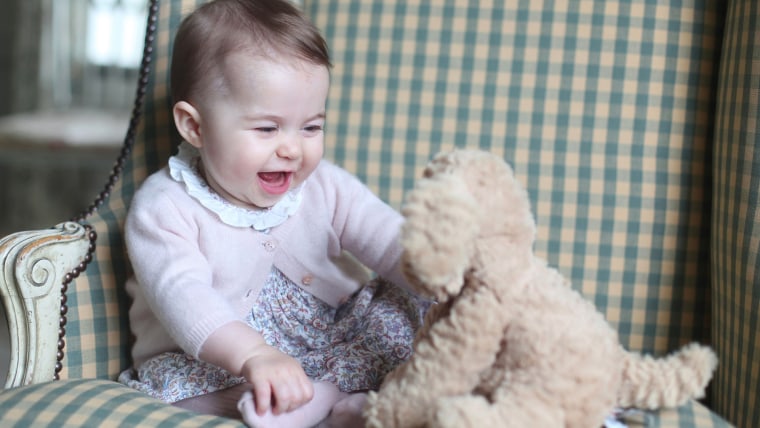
509 343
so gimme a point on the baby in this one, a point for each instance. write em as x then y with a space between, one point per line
238 305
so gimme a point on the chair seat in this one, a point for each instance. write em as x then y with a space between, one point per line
89 402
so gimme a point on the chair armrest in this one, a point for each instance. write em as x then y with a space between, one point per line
36 265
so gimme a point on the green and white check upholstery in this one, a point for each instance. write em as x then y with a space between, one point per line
597 106
94 403
632 123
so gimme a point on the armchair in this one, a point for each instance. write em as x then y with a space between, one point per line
633 125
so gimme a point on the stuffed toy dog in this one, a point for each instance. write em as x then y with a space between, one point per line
509 342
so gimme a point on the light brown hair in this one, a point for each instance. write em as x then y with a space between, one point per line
220 27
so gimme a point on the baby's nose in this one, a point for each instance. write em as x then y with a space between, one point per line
289 146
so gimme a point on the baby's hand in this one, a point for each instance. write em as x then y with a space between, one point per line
279 382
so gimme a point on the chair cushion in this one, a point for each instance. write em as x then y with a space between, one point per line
89 403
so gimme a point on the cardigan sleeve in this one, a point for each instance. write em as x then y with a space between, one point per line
173 276
367 227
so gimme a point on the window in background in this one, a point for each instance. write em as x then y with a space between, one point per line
89 53
115 32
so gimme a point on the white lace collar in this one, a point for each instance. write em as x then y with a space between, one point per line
183 168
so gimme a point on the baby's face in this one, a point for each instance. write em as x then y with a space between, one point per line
263 135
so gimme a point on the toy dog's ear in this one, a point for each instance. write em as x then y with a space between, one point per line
438 235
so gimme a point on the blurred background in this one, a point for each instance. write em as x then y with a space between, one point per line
68 73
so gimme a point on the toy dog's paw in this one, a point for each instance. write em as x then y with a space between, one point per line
438 235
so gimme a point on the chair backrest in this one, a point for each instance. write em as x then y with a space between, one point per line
604 109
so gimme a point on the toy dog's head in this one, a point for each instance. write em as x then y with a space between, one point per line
465 198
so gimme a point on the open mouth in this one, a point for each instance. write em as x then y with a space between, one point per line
275 182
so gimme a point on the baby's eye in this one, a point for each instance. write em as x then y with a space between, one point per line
312 130
267 129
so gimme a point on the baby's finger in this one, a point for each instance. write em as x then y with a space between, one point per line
291 395
262 392
283 400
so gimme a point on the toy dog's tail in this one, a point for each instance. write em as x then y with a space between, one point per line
651 383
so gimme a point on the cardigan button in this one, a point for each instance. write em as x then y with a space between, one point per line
307 280
269 245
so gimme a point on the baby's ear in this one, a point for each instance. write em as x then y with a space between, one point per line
187 119
439 233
